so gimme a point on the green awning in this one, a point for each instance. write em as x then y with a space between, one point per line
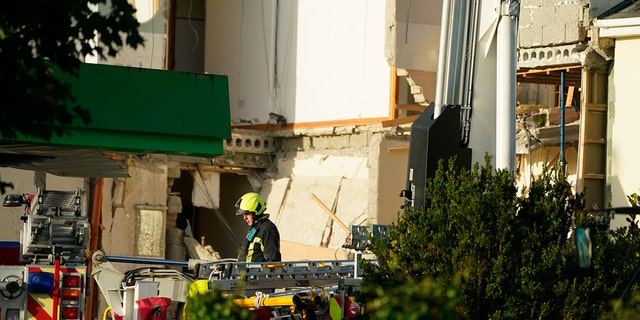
148 111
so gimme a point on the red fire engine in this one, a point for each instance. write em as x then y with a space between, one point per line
44 275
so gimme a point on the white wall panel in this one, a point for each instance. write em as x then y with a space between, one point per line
325 62
623 122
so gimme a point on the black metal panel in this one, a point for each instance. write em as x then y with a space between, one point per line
431 141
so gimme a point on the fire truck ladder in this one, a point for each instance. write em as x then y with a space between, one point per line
293 274
55 226
286 274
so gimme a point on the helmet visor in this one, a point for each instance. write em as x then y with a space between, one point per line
240 211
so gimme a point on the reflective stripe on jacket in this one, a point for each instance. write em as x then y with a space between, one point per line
265 245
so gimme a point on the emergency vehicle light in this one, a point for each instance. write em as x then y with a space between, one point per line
71 281
70 294
70 313
40 282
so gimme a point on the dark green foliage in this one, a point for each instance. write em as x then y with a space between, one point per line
507 256
214 305
36 34
415 300
620 263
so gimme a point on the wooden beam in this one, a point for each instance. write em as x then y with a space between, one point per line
569 99
411 107
576 68
397 149
220 169
308 125
573 75
399 121
393 93
331 214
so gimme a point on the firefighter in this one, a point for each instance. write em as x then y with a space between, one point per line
262 243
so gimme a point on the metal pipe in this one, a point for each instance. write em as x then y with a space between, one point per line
147 260
56 285
467 95
442 57
506 86
563 163
457 34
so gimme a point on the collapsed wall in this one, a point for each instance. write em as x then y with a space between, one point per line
321 172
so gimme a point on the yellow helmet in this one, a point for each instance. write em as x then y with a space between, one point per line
250 202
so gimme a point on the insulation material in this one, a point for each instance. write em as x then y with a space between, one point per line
351 209
206 189
301 220
150 233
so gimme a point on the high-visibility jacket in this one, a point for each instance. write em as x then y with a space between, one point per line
262 243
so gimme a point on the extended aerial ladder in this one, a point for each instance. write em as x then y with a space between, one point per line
312 287
305 285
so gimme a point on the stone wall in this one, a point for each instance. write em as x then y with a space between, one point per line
551 32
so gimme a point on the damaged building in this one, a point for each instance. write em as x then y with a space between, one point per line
321 98
569 105
315 143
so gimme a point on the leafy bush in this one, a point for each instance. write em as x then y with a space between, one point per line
214 305
506 256
415 300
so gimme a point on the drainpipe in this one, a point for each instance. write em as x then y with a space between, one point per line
451 55
442 56
273 60
563 163
506 85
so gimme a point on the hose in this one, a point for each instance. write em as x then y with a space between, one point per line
106 311
184 310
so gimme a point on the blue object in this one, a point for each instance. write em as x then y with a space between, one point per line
583 247
252 234
40 282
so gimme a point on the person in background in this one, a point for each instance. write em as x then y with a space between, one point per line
262 243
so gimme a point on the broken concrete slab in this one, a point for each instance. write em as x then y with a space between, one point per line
301 220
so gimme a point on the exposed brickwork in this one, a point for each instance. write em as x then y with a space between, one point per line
551 32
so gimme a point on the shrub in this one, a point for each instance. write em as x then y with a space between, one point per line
505 256
214 305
